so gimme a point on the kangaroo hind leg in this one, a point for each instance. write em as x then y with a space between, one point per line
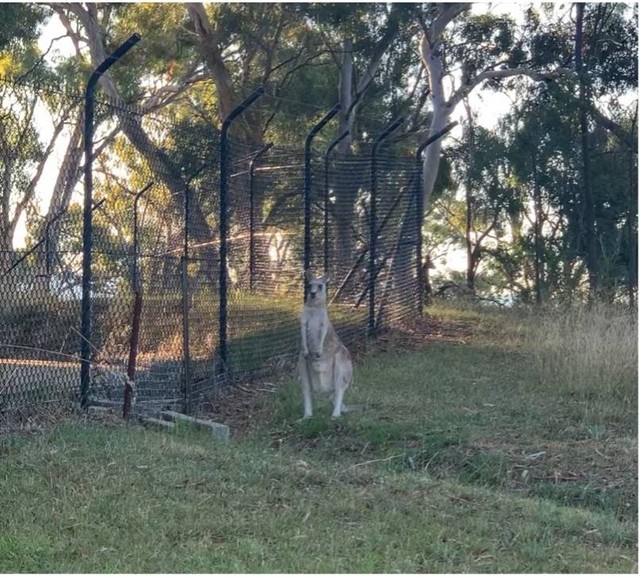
342 375
305 385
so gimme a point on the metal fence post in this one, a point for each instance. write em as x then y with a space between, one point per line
184 288
136 240
326 197
224 185
420 211
373 224
87 240
307 186
137 310
185 294
252 240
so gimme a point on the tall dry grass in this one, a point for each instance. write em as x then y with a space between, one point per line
587 351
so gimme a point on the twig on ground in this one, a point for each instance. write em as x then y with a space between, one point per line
376 461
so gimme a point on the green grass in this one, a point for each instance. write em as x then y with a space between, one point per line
99 499
462 459
476 416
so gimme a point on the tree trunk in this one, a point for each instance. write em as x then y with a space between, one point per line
349 97
68 175
587 196
249 126
345 190
537 232
471 276
471 267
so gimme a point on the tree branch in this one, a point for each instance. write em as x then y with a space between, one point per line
491 74
75 36
390 32
31 187
449 12
210 51
614 127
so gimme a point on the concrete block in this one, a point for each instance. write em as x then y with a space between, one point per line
97 402
158 423
219 431
98 410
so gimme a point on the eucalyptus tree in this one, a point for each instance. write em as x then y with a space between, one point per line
248 45
93 26
358 36
482 167
605 63
24 151
489 52
486 49
541 151
154 77
20 149
19 25
603 41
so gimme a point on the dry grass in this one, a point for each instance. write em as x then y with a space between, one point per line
588 352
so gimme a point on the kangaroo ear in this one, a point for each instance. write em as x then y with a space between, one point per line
308 276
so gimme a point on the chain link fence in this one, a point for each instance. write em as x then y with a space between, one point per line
156 291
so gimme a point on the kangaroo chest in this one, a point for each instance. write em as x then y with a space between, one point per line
316 327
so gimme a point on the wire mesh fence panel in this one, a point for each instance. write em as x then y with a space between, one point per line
156 288
157 284
39 316
396 284
140 244
341 196
265 252
39 307
201 280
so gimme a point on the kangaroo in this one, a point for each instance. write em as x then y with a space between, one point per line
324 364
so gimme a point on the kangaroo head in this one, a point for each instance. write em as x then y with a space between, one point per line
317 293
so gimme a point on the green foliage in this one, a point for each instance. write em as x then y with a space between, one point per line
19 24
484 39
613 42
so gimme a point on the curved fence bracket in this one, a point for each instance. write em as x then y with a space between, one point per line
85 324
373 224
307 185
224 220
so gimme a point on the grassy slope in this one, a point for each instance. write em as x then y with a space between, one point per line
443 471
